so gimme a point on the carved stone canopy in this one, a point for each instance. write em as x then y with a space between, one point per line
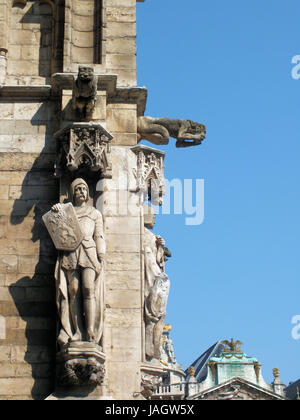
83 145
150 173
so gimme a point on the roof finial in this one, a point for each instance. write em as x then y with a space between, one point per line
191 371
232 346
276 373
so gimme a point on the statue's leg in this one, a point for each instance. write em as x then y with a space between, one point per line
149 344
88 291
157 134
90 105
73 278
157 335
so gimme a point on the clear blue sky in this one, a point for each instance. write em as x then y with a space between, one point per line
227 64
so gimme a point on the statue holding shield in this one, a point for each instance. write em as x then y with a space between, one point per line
77 232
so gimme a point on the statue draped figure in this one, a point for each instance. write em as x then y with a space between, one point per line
79 274
157 286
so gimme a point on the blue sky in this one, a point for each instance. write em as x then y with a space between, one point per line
228 65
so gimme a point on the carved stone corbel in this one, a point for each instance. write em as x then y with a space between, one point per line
81 364
150 173
149 384
83 145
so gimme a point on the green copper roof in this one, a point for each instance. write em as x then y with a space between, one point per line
233 357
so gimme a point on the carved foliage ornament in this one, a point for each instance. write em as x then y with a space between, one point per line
83 145
81 371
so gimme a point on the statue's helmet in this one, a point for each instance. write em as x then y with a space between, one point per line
75 183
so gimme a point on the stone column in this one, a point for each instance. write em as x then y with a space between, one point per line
124 277
3 39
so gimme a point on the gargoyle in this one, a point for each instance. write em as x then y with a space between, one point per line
159 130
85 91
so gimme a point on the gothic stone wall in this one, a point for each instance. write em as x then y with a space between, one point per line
29 43
28 189
27 257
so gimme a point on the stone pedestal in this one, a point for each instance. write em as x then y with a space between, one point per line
80 372
80 363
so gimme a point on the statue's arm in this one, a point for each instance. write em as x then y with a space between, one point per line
160 256
57 207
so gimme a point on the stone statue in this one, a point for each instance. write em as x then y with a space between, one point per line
79 273
167 354
159 130
85 91
157 286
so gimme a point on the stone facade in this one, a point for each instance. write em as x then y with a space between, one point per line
40 43
47 140
225 372
73 317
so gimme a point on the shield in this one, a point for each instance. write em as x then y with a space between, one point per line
63 227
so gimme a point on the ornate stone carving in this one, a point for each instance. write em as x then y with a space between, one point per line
159 130
82 372
80 364
149 385
231 394
84 145
156 287
63 227
85 91
150 173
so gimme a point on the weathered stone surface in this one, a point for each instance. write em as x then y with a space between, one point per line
8 263
118 317
28 189
121 61
123 261
126 299
26 161
121 225
121 120
121 14
115 45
